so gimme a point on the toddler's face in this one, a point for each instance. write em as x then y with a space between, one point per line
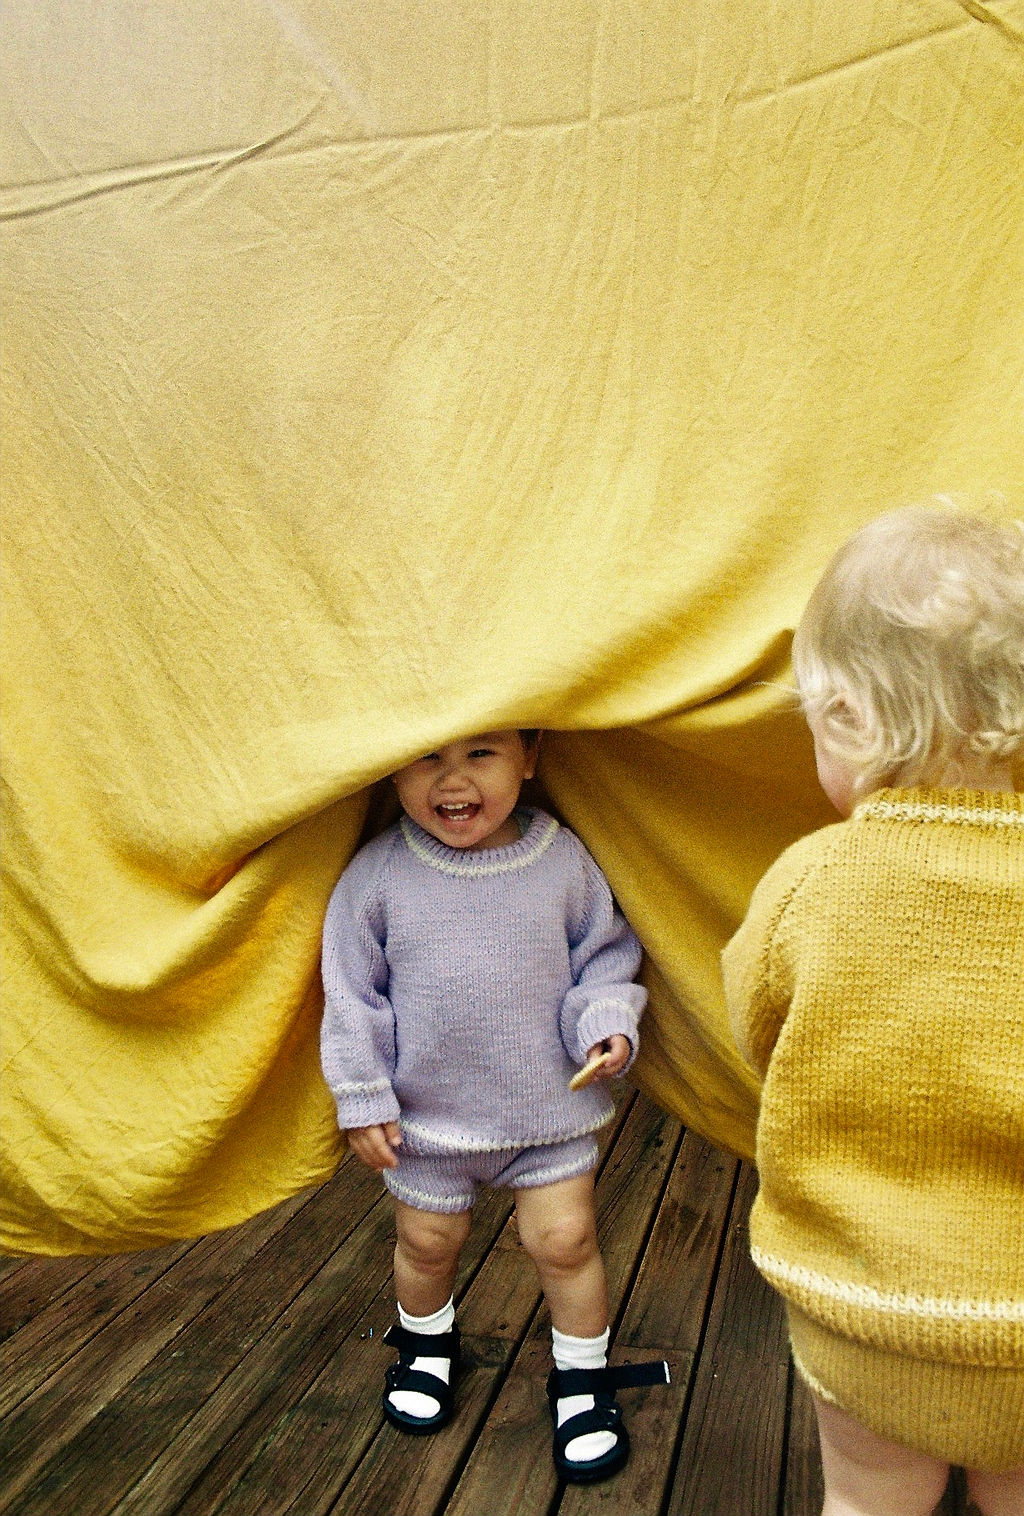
464 793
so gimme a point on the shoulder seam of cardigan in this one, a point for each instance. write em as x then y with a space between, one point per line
819 856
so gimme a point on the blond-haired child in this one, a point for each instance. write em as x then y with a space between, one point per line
877 986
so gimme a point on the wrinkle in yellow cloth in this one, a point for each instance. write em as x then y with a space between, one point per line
376 374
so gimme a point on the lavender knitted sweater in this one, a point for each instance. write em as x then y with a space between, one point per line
465 987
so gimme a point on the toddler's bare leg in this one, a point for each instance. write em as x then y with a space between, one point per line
558 1230
867 1475
427 1256
426 1262
997 1494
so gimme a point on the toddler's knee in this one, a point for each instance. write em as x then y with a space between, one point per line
431 1242
564 1245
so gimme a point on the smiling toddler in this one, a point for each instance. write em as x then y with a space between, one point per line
473 961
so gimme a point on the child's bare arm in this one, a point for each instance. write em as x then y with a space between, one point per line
375 1145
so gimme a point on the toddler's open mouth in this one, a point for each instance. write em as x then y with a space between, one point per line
454 814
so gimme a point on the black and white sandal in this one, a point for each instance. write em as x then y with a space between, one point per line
402 1376
604 1416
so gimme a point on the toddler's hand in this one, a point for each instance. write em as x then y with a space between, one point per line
617 1048
375 1144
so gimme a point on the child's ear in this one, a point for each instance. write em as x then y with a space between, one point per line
845 712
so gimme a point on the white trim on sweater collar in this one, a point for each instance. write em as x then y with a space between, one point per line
481 862
883 808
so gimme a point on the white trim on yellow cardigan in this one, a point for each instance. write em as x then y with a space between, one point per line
920 810
897 1304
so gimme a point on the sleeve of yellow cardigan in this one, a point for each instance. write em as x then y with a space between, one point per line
757 967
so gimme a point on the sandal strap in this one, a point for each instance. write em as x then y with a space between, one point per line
400 1377
600 1418
423 1344
604 1382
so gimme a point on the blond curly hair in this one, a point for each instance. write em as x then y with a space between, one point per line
910 654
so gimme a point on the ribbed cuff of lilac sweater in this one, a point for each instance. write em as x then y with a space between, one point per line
366 1105
607 1018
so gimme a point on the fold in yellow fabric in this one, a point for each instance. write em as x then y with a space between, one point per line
374 374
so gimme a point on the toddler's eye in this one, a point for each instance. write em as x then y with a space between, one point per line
482 752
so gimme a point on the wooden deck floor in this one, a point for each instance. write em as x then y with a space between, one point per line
241 1374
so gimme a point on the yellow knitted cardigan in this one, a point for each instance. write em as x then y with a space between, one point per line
877 985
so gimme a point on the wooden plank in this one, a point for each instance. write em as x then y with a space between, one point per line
65 1324
664 1318
297 1457
667 1306
629 1191
305 1451
400 1474
212 1447
107 1285
274 1388
415 1469
509 1468
300 1463
731 1455
281 1417
35 1283
66 1447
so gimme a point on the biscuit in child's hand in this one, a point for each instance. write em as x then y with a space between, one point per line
588 1072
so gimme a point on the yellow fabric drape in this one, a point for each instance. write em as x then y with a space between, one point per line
379 373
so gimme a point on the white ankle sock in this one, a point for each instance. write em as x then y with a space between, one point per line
414 1402
581 1353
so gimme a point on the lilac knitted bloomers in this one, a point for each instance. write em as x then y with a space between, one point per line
464 988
